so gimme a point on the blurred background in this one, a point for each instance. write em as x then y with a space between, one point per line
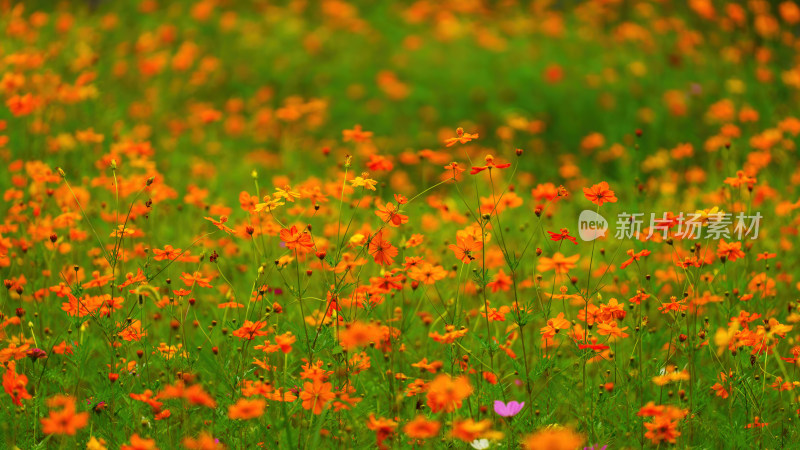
272 82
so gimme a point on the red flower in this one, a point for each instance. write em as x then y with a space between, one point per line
563 235
489 165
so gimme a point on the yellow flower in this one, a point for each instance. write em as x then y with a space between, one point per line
363 181
95 444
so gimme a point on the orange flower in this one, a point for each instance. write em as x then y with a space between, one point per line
559 263
468 430
221 223
422 428
195 278
611 329
147 397
500 282
139 443
383 429
356 135
633 257
427 273
168 253
489 165
316 395
204 441
381 250
22 105
553 325
599 194
465 247
450 335
452 172
250 330
193 394
730 251
662 429
740 179
285 341
461 137
247 409
131 332
446 393
357 334
295 240
391 215
553 439
432 367
65 420
14 384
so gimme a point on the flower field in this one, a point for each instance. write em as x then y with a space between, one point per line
378 224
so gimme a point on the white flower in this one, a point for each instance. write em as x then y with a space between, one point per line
480 444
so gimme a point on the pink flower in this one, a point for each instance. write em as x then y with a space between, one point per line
512 408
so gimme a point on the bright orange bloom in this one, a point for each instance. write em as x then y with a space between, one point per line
221 224
14 384
250 330
432 367
461 137
450 335
316 396
489 165
295 240
553 325
427 273
131 332
446 393
600 193
465 248
147 397
453 172
204 441
195 278
284 341
633 257
168 253
247 409
359 334
383 428
662 429
65 420
391 215
139 443
381 250
740 179
611 329
194 394
559 263
553 439
468 430
356 135
422 428
730 251
500 282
